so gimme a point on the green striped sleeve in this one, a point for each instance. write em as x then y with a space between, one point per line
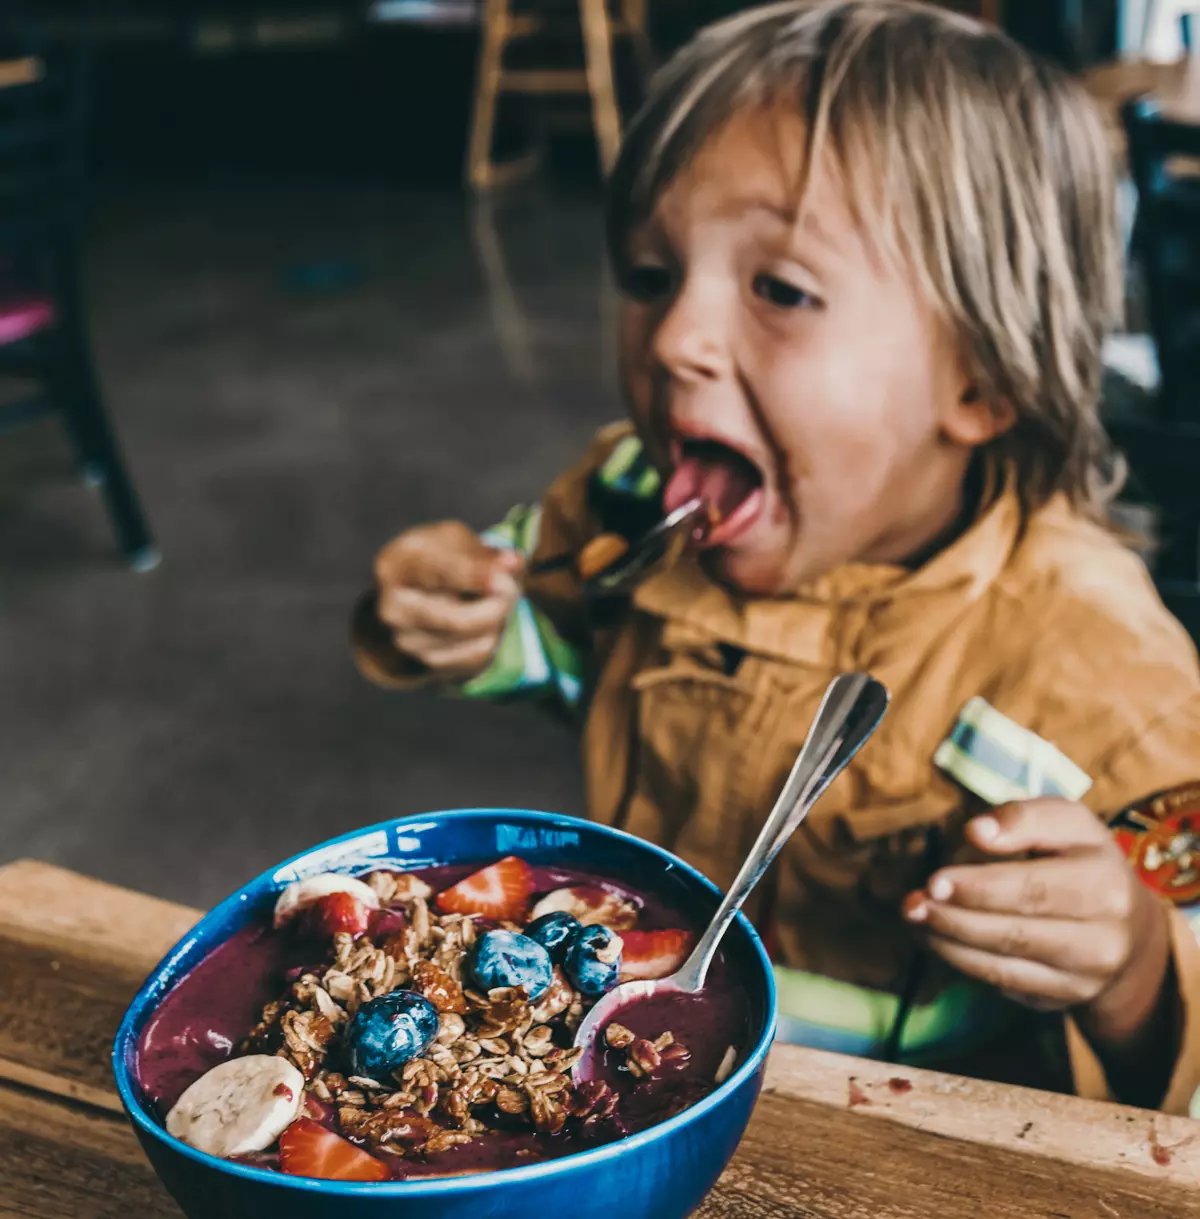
628 470
533 660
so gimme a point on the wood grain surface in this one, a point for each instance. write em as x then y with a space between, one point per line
73 951
832 1138
800 1158
63 1160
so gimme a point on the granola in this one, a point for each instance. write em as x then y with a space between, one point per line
498 1061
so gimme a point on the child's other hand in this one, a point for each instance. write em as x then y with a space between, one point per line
446 595
1071 927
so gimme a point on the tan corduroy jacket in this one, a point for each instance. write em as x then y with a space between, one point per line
1050 620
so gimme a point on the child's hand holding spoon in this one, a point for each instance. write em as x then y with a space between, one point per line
444 595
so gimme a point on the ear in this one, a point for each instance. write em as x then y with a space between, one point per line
973 420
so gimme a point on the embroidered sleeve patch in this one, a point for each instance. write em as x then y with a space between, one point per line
1000 761
1161 837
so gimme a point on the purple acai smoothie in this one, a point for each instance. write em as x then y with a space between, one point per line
494 1090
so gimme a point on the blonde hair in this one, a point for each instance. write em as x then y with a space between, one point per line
986 171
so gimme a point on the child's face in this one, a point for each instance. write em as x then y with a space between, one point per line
784 372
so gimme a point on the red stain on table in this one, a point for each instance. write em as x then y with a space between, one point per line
1158 1153
900 1086
857 1095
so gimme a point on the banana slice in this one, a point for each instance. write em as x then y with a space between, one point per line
303 893
590 905
241 1106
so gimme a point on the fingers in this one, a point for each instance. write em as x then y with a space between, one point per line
1097 951
1031 982
445 617
446 596
463 659
1045 827
1063 888
447 557
1054 927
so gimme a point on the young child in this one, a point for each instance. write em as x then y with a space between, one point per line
868 254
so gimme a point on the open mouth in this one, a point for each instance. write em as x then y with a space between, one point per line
728 481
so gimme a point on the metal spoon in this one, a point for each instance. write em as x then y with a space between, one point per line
627 567
849 713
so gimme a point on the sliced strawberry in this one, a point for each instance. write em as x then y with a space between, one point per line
654 954
336 912
500 891
307 1149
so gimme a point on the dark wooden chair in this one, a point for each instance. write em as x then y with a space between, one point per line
1162 443
43 322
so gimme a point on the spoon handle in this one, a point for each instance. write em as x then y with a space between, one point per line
849 712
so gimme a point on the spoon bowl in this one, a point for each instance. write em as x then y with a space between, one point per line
643 553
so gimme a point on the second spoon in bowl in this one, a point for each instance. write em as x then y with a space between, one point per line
850 711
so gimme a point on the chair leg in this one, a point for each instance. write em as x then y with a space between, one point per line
597 48
633 13
512 327
487 93
78 394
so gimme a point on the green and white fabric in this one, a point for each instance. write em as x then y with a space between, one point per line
533 660
628 471
829 1015
1000 761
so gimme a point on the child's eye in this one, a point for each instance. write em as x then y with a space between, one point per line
781 294
644 282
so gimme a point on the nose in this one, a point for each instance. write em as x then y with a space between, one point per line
689 341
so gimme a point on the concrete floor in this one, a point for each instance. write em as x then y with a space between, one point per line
182 730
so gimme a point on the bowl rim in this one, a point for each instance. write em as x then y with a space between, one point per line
144 1123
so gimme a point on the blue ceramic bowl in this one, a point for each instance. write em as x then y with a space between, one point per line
662 1173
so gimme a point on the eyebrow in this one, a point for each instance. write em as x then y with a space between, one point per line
810 223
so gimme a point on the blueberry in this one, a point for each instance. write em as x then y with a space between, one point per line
593 961
505 958
389 1031
554 931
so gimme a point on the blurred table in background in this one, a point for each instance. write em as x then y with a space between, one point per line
832 1137
1175 86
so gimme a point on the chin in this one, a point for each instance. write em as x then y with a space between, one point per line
746 574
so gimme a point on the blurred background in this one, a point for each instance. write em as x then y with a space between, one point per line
279 280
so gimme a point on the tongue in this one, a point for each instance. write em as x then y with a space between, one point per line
722 484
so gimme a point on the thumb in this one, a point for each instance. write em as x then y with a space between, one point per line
509 561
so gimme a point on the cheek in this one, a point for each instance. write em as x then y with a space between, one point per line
849 408
635 338
853 421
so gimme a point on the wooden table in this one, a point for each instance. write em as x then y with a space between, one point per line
832 1138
